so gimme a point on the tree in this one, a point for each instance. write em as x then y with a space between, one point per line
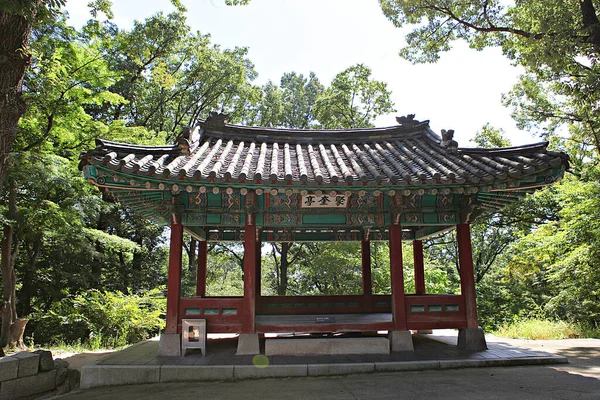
16 21
353 100
53 222
169 76
558 44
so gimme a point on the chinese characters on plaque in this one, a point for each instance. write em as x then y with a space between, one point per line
324 201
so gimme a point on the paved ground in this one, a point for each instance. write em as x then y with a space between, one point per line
221 351
580 379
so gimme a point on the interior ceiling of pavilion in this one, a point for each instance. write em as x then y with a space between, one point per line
392 174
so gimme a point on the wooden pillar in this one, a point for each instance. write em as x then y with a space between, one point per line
419 267
467 278
174 277
397 278
201 272
248 323
367 280
258 269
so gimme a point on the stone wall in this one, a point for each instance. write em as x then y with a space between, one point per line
26 374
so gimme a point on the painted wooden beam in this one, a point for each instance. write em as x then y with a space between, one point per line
174 277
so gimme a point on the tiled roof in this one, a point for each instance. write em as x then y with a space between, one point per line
403 155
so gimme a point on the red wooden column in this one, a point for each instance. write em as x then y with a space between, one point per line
397 278
467 278
258 269
367 280
419 267
174 277
248 323
201 272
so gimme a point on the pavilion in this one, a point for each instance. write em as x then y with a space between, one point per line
223 182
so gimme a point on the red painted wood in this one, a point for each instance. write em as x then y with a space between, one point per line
433 299
201 272
258 268
174 278
419 267
215 323
232 323
249 309
273 328
467 279
296 305
437 324
367 280
397 278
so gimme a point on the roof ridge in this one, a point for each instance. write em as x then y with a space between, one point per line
504 150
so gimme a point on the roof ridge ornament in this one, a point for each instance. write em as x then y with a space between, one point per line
408 120
188 140
447 140
215 118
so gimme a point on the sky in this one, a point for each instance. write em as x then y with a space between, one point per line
462 91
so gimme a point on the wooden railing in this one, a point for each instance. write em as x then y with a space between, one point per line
435 311
295 305
430 311
222 314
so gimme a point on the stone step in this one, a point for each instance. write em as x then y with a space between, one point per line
326 346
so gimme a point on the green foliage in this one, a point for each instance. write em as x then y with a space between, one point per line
489 137
559 259
353 100
540 329
556 42
224 273
100 319
169 76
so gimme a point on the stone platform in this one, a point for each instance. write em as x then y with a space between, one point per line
140 364
327 346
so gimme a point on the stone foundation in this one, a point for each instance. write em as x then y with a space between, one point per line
26 374
328 346
472 339
401 341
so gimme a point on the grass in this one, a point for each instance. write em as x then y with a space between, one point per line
77 347
540 329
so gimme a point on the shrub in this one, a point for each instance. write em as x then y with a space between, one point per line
100 319
539 329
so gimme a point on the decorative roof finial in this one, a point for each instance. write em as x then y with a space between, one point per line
215 118
447 140
408 120
187 140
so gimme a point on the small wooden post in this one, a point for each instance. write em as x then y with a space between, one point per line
419 267
367 280
397 278
201 272
248 319
467 278
174 276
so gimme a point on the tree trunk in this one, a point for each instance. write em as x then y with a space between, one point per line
10 248
14 59
28 290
